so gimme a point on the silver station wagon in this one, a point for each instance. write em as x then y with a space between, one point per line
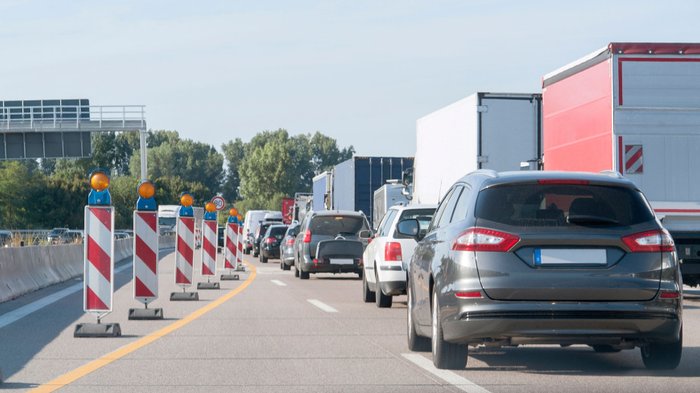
563 258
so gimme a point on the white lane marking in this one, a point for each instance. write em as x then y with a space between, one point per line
453 379
15 315
279 283
323 306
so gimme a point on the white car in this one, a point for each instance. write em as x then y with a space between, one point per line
387 256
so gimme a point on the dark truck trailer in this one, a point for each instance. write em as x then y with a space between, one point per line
355 180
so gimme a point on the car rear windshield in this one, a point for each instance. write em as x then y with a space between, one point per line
278 231
547 205
337 225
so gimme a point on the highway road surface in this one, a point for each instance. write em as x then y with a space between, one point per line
271 332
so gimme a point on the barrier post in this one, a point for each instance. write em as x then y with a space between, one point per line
239 263
146 253
230 256
98 261
184 249
209 239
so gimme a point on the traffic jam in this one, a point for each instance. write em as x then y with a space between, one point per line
566 217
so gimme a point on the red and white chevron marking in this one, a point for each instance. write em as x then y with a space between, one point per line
230 257
145 256
184 245
98 248
240 246
634 159
209 232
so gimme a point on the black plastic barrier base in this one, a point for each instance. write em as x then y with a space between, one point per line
97 330
230 277
145 314
208 285
240 268
184 296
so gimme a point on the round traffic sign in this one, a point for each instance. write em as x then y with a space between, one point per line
219 202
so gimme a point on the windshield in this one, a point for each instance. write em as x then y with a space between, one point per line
167 221
547 205
337 225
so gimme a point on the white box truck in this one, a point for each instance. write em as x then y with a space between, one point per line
634 108
387 196
496 131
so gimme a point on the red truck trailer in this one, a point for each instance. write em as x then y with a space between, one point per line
634 108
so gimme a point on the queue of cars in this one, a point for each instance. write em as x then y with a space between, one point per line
509 259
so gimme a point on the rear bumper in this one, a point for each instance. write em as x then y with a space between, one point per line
393 288
582 323
273 253
330 268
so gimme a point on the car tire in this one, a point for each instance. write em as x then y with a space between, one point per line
446 356
263 258
303 275
285 266
382 300
367 294
662 355
282 265
255 254
416 343
296 271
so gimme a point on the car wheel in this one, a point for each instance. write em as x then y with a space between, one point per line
255 254
285 266
415 342
446 356
303 275
296 271
282 265
605 348
663 355
382 300
263 258
360 274
367 294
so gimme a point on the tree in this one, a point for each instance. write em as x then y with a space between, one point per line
326 153
234 152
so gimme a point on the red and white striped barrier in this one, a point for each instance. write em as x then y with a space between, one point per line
98 285
239 263
209 233
231 246
145 256
184 246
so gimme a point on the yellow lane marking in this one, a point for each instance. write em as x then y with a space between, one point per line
98 363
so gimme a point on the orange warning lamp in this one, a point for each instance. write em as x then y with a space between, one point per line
233 212
210 207
146 189
99 181
240 218
186 200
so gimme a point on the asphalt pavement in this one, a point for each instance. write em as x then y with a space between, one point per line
272 332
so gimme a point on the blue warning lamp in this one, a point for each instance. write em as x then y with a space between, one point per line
210 213
146 201
99 188
186 202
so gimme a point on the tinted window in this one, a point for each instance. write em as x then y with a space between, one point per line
440 210
277 231
293 231
335 225
462 206
449 208
541 205
422 215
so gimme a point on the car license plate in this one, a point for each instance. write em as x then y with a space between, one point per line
577 256
335 261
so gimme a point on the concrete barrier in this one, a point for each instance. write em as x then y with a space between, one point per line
27 269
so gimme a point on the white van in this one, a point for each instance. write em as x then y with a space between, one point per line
251 222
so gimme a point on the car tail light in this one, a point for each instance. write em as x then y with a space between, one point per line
483 239
650 241
307 236
392 252
669 295
270 240
290 241
468 294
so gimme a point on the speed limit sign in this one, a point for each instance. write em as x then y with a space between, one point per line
219 202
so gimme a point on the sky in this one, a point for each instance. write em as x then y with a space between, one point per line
360 71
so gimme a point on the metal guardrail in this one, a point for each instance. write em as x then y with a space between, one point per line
73 117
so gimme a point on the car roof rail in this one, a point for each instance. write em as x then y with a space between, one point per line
611 173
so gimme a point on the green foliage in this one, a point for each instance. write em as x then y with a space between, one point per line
234 152
124 196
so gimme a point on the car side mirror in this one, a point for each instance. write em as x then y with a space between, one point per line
365 234
409 228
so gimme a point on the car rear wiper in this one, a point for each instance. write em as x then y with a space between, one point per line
587 219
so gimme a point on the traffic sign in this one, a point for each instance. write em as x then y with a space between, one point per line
219 202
